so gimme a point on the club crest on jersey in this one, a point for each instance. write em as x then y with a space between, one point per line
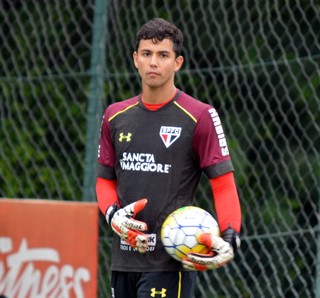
169 134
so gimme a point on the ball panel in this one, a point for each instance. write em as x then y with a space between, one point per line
179 230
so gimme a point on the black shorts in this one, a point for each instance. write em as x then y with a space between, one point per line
173 284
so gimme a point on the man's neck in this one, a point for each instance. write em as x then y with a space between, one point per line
158 95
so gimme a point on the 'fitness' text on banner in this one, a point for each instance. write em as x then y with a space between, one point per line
48 249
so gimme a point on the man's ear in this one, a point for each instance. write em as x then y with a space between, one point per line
135 58
178 63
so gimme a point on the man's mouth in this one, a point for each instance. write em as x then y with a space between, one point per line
152 73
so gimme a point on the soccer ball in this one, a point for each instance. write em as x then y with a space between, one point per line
179 231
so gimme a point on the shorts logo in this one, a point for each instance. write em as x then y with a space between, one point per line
169 134
162 293
125 137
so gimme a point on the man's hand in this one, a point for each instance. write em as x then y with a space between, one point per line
123 223
222 251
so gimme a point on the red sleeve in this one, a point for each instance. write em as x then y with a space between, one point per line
226 201
106 191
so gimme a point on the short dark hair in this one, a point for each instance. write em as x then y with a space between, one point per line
157 30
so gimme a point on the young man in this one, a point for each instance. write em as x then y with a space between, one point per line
153 149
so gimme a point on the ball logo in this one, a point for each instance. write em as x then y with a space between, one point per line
169 134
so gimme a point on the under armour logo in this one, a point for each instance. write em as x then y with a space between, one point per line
123 137
162 292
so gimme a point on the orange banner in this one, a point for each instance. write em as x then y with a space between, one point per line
48 249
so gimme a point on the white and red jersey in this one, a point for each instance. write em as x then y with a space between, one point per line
159 155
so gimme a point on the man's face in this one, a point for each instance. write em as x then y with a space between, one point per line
156 62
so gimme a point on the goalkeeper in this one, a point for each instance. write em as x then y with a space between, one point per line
153 149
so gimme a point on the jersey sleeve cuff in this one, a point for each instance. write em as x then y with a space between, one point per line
219 169
106 172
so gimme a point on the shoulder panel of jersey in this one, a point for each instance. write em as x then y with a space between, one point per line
106 153
209 141
191 106
117 108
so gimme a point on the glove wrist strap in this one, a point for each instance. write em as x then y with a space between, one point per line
230 235
111 211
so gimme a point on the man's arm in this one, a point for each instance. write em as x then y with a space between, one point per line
226 201
106 191
228 211
122 219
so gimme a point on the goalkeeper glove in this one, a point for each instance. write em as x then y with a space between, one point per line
222 251
123 224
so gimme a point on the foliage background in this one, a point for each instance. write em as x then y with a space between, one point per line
256 61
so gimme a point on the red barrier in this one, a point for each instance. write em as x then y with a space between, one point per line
48 249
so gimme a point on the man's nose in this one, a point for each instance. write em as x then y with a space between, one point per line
154 60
